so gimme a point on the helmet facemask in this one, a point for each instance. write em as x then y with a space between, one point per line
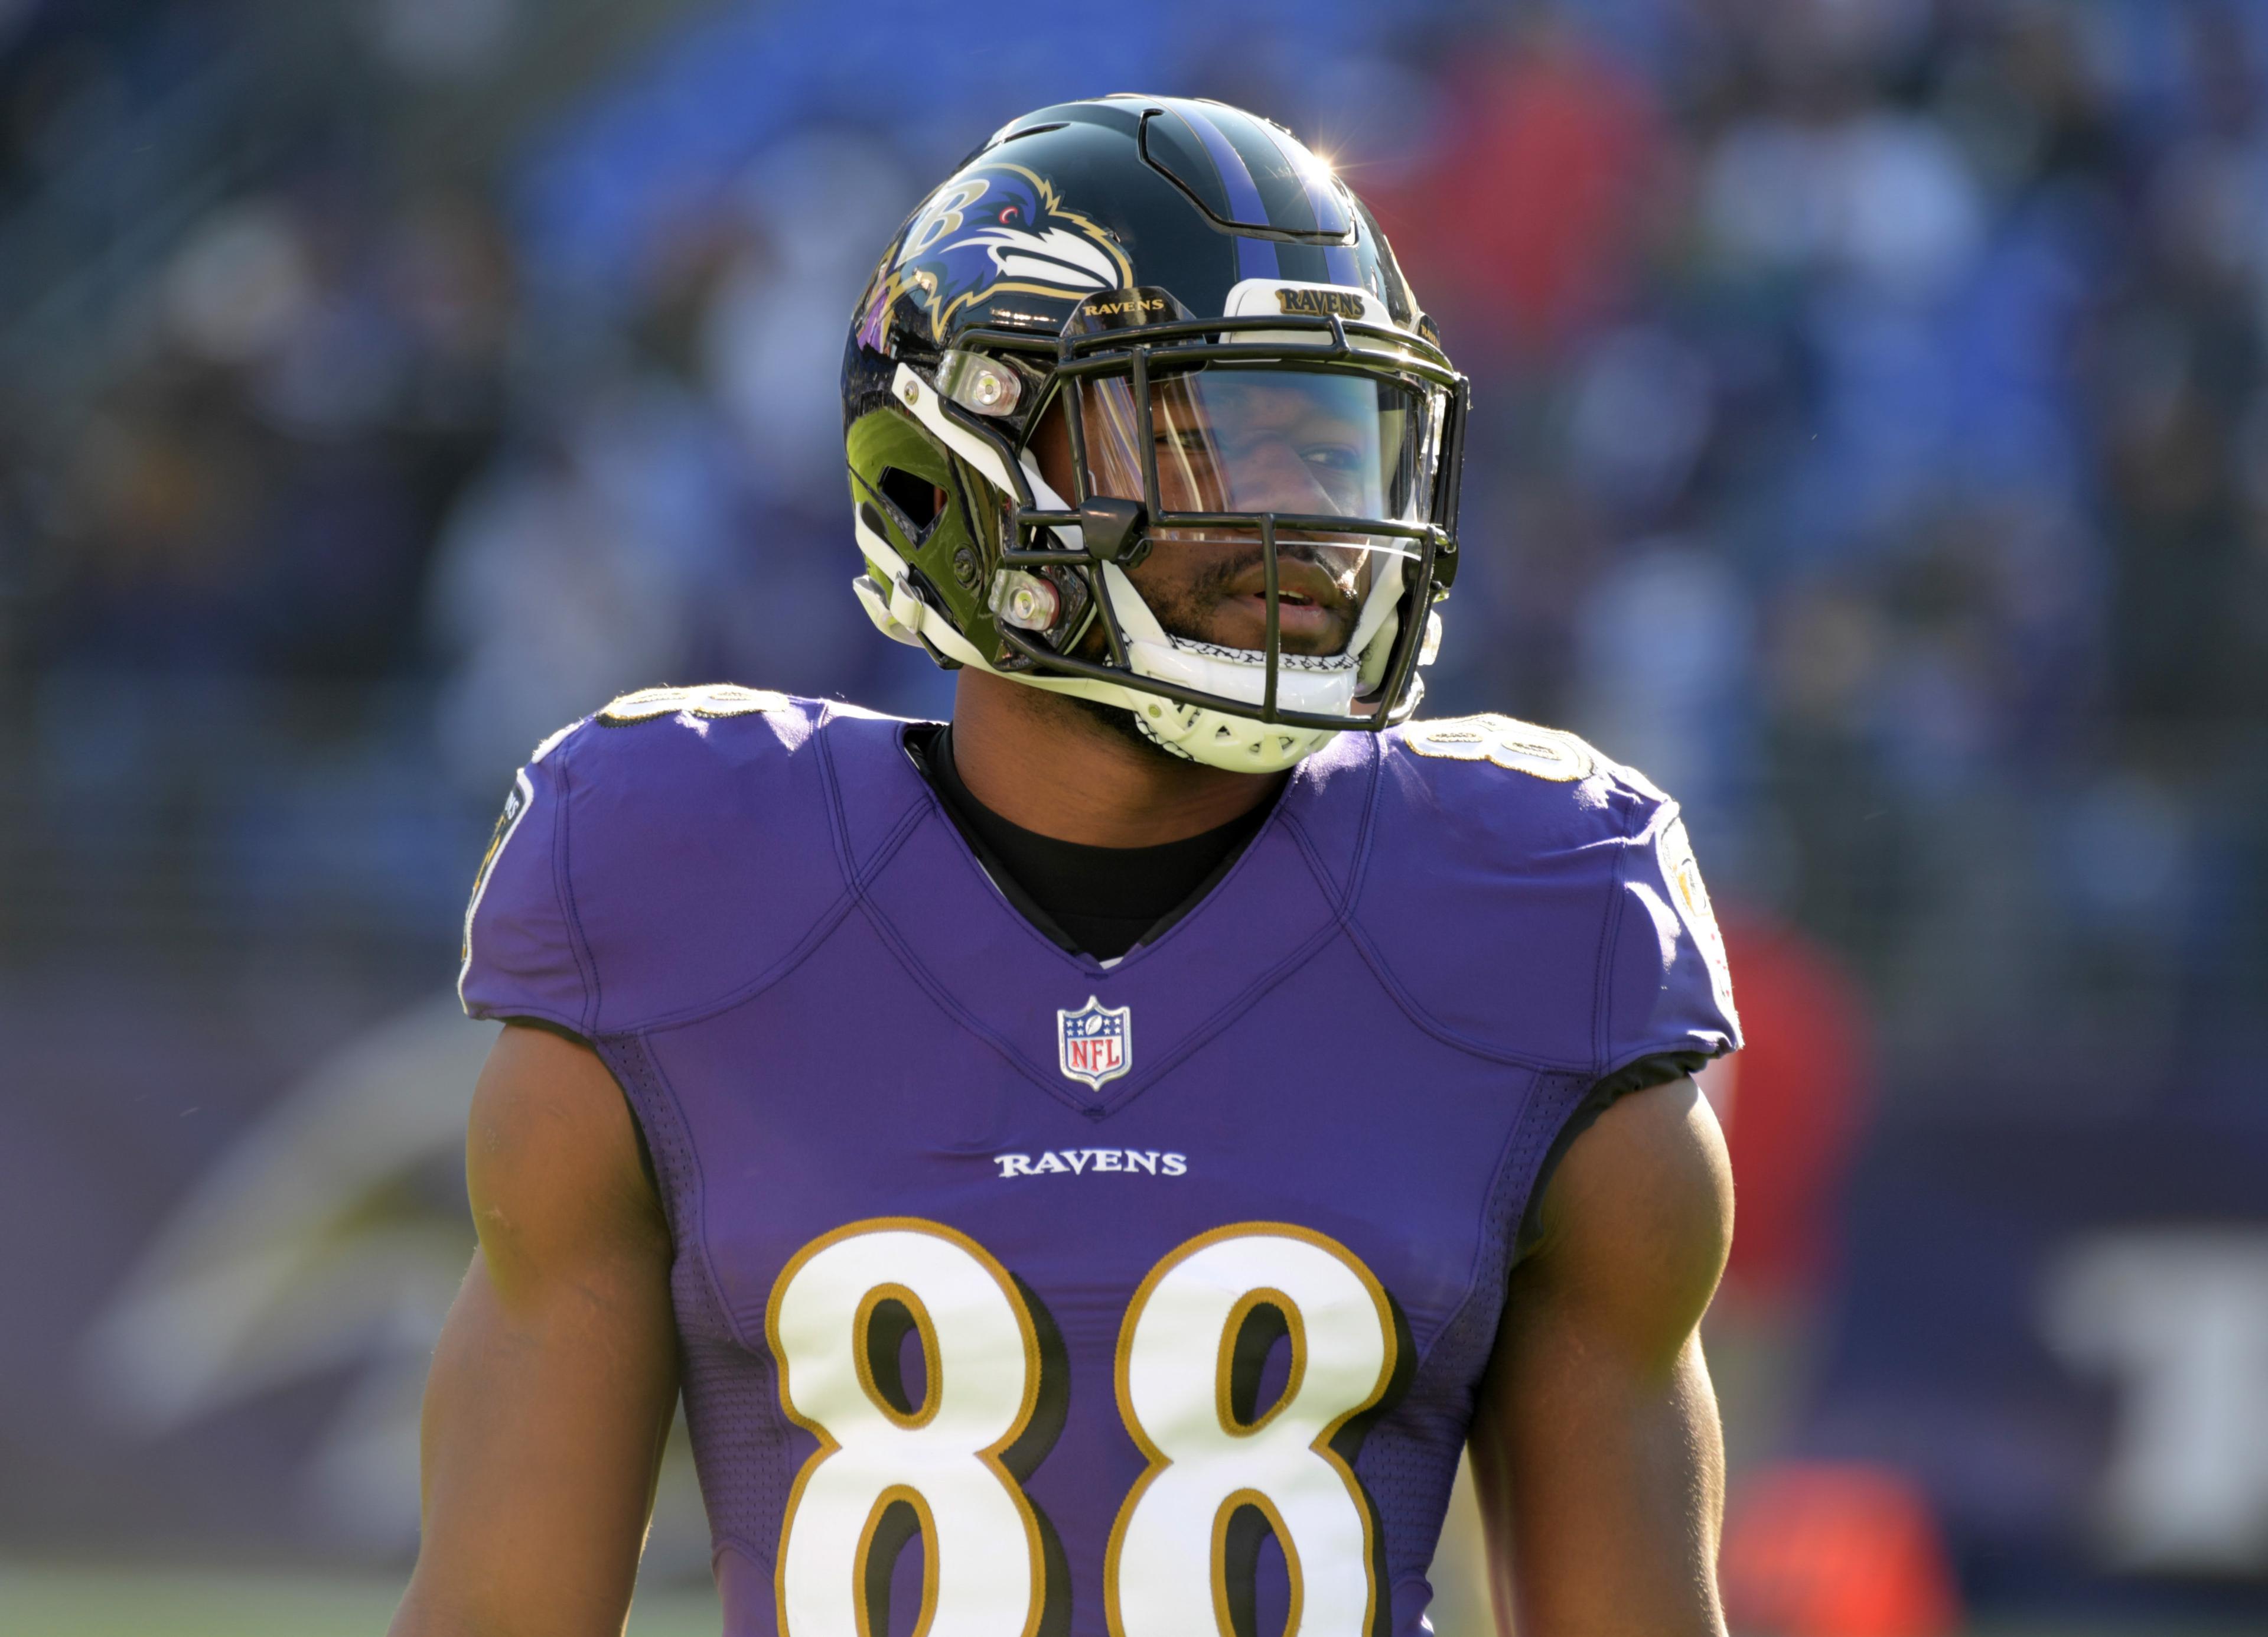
1299 471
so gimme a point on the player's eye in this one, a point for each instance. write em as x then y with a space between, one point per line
1335 458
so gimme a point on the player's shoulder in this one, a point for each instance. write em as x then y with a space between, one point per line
667 845
673 791
1511 785
1532 895
717 753
675 732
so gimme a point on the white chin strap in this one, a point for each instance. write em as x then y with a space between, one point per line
1323 686
1320 687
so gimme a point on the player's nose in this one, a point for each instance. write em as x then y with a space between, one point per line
1271 477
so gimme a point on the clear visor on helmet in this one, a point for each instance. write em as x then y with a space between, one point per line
1313 445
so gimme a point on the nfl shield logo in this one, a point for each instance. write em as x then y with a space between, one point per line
1095 1043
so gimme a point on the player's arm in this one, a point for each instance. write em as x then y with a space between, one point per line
1596 1449
556 1374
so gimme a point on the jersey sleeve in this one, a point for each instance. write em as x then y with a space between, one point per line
522 955
1669 988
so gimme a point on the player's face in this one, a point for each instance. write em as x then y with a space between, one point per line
1300 444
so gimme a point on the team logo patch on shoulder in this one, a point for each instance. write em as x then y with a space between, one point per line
1521 747
1096 1042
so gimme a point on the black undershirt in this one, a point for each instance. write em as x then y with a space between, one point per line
1103 901
1097 901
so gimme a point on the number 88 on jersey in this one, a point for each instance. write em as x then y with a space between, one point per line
950 1465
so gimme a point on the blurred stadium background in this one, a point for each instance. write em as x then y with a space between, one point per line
1871 444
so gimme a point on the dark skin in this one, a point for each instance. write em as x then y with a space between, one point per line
1595 1441
556 1376
1039 760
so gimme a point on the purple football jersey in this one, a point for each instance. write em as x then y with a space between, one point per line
1025 1294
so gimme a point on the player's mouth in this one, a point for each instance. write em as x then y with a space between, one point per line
1315 606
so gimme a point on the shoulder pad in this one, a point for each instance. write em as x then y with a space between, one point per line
687 848
1536 899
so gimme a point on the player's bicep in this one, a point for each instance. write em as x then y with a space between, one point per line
557 1372
1636 1223
1595 1444
552 1170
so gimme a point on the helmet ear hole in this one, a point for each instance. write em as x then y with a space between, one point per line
916 500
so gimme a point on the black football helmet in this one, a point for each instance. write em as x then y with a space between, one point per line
1224 341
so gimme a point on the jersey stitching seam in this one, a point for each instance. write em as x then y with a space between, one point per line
1339 896
1196 1038
861 880
1602 997
1189 911
1515 1144
1315 865
856 876
511 1010
661 1078
1083 963
563 888
1498 1179
1244 1001
885 930
837 825
1434 1027
754 1554
1373 958
894 941
1367 832
821 927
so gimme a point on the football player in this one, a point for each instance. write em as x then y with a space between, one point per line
1093 1165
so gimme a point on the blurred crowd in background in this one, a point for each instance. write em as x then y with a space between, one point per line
1870 442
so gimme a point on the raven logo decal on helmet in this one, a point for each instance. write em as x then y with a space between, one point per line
992 230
